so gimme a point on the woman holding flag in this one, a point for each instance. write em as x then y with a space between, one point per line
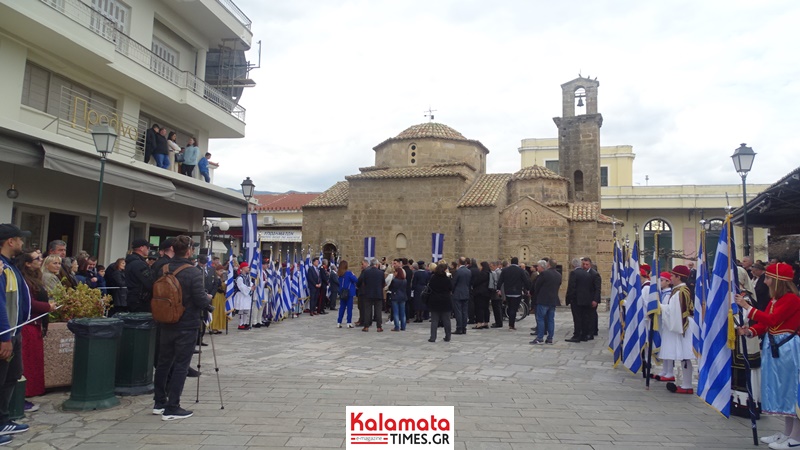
780 356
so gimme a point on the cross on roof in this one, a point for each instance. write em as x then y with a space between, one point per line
429 112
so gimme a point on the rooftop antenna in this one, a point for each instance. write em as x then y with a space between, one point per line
429 112
647 180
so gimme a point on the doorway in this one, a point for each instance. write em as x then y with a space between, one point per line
62 227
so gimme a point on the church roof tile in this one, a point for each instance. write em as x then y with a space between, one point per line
431 130
404 172
486 190
587 212
335 196
534 172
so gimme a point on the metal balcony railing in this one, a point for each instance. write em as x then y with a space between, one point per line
233 9
95 21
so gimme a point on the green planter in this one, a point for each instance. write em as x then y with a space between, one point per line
134 375
94 363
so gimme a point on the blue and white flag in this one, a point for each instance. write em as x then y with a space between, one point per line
230 284
369 248
258 278
714 379
250 237
654 302
635 325
437 246
617 296
700 297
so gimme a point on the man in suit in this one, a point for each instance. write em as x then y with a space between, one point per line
370 284
474 270
150 142
583 295
761 289
545 297
514 280
461 287
314 283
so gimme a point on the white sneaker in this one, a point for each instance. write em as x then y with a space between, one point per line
349 325
787 444
778 437
338 325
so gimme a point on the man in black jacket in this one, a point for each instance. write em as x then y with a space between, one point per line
545 297
583 295
178 339
514 280
370 285
138 277
150 142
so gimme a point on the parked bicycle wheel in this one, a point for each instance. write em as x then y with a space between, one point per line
522 311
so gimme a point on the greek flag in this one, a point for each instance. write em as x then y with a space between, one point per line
654 302
230 284
250 237
635 331
700 296
617 295
369 248
256 273
437 246
714 379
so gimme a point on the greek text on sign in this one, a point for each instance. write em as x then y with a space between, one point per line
400 427
280 236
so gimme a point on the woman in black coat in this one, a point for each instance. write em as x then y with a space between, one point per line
440 302
418 283
480 290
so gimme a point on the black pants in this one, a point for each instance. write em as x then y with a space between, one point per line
593 321
481 309
362 310
187 170
512 304
10 372
437 316
175 353
472 312
497 310
313 300
373 311
582 318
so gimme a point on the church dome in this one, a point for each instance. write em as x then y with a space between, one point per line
536 172
431 130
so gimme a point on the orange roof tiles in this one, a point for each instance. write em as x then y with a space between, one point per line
335 196
485 191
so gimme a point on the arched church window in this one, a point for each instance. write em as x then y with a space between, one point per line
524 251
578 180
664 230
400 242
412 154
527 218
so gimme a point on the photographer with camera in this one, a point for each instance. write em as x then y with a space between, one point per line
178 339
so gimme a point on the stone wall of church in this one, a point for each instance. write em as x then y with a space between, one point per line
593 239
480 230
541 189
579 151
428 152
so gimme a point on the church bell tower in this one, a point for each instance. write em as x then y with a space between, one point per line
579 139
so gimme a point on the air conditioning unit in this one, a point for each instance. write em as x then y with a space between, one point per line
269 220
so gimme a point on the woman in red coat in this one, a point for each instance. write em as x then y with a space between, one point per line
30 264
780 355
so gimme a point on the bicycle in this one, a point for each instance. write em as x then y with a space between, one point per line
522 311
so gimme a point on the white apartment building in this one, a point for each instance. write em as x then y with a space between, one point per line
68 65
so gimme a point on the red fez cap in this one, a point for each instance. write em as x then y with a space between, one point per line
243 264
681 271
665 275
643 272
780 271
645 267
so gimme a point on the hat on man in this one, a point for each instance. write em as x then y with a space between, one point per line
757 266
780 271
168 243
665 275
140 243
646 268
643 272
681 271
243 264
9 230
152 254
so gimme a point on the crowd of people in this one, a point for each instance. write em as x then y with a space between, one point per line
163 149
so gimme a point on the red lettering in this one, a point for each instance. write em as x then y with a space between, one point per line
356 419
422 425
444 425
371 425
391 425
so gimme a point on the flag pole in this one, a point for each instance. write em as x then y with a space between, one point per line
649 365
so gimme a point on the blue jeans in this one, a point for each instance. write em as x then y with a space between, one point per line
346 304
206 176
162 160
399 314
545 320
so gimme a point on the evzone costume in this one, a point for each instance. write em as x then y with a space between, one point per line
243 300
676 333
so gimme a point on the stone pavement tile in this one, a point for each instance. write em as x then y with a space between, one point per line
106 446
174 439
228 439
488 446
315 442
169 447
116 438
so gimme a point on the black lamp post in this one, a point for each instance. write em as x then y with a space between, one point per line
247 191
743 161
104 138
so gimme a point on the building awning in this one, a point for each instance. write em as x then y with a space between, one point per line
87 166
776 207
213 206
19 152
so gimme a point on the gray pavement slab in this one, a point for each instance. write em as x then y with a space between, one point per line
287 386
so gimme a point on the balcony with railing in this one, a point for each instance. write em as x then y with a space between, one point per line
95 21
236 12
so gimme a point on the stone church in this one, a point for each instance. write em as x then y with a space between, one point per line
431 179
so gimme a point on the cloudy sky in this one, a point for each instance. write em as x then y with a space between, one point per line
683 82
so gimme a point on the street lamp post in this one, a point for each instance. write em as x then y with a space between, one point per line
743 161
247 192
104 138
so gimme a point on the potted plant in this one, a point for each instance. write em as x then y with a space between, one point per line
59 343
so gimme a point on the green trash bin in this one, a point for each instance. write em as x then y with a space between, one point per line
94 363
16 407
135 356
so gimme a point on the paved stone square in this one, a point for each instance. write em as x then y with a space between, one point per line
287 386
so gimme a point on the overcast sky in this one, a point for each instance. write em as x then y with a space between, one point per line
683 82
